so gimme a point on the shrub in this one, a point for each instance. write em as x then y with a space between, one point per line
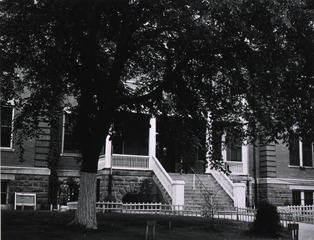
267 220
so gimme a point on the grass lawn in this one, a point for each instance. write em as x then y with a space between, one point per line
40 225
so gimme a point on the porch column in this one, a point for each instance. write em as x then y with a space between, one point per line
108 152
152 140
245 156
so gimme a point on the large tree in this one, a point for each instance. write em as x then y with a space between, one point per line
248 63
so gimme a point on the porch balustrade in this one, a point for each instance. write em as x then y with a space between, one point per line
130 161
122 161
236 167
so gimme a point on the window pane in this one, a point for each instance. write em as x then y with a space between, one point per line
235 152
6 126
4 185
296 198
308 198
307 154
70 138
6 116
294 151
5 137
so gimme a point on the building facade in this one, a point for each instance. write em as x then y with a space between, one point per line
144 161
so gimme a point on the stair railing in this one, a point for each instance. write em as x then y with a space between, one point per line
209 193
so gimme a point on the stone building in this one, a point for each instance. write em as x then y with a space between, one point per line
144 164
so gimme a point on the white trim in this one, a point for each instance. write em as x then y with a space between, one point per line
302 198
299 187
68 173
24 170
70 154
301 152
7 177
63 132
287 181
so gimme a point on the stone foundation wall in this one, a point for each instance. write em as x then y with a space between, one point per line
277 194
38 184
139 183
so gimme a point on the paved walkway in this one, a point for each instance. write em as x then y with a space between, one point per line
306 231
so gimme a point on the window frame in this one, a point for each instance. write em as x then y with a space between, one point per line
302 200
9 105
6 192
299 153
63 151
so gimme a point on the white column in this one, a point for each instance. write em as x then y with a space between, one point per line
152 140
178 192
301 152
224 147
108 152
239 195
245 157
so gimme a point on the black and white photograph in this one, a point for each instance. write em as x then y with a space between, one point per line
157 119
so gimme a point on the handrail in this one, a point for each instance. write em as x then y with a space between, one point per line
162 174
200 181
222 179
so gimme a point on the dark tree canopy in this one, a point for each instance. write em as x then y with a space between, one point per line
240 63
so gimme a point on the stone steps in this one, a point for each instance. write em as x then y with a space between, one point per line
196 193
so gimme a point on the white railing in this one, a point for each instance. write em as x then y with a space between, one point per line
224 181
235 167
122 161
299 213
130 161
162 176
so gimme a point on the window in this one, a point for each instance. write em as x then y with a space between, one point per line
300 152
294 150
234 152
296 198
302 198
307 153
6 126
4 192
308 198
70 142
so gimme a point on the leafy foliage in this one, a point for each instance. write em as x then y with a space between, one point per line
246 65
267 219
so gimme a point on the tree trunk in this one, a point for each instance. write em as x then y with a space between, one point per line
86 210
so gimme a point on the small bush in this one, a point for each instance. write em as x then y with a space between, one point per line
267 220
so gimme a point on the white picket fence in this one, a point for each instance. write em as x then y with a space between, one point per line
288 214
222 212
299 213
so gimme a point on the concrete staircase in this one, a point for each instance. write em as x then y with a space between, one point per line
195 192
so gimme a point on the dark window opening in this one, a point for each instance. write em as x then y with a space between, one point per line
234 151
70 144
4 192
6 126
307 154
296 198
294 149
131 134
308 198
